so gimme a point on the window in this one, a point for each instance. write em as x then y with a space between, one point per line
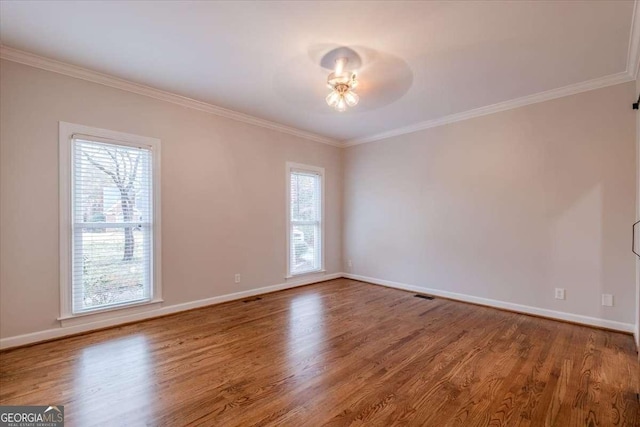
305 215
109 220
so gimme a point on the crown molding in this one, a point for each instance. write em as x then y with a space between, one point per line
633 54
630 74
601 82
48 64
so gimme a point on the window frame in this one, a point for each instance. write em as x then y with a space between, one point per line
67 185
291 167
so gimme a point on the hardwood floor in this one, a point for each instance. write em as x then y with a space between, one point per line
337 353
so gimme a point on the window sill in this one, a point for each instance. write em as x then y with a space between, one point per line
109 313
307 273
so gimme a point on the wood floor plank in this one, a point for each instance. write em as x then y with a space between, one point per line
338 353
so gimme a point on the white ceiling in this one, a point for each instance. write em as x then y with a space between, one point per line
421 60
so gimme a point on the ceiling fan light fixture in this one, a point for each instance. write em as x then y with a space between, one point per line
342 83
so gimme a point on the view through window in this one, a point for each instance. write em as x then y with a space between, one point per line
305 228
112 222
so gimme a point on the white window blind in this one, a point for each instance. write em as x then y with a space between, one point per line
112 224
305 220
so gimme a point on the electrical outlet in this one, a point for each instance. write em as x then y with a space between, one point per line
237 279
559 293
349 263
607 300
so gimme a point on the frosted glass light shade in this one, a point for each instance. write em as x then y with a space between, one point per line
351 98
332 98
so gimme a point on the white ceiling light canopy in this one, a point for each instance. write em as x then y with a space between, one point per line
342 83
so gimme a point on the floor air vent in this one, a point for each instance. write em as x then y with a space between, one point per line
423 296
252 299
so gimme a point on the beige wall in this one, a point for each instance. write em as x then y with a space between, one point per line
637 329
507 206
223 193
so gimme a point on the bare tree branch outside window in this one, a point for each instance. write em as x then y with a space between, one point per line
123 172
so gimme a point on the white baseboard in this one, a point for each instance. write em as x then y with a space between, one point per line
49 334
54 333
575 318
